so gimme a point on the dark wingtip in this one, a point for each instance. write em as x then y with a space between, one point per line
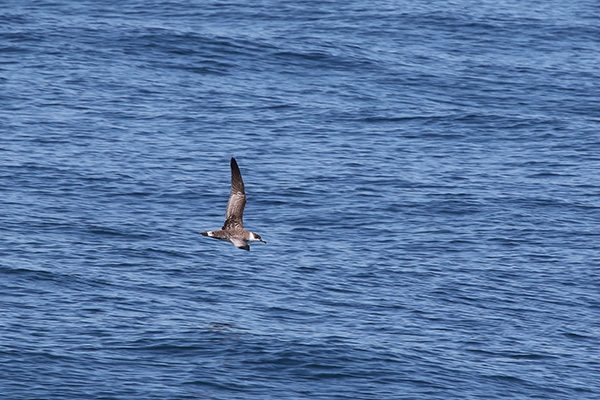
237 182
234 165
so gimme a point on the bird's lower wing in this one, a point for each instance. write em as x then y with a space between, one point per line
240 244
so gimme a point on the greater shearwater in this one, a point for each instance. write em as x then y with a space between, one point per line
233 230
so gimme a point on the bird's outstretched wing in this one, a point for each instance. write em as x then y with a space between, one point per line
237 199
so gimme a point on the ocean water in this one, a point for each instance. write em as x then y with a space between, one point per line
426 175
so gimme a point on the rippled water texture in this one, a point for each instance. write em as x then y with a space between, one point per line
426 176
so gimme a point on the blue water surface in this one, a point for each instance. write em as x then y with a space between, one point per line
426 175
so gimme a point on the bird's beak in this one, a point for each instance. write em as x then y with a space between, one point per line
264 241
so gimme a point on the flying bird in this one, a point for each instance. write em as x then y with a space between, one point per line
233 229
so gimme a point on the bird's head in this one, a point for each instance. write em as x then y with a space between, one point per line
256 238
